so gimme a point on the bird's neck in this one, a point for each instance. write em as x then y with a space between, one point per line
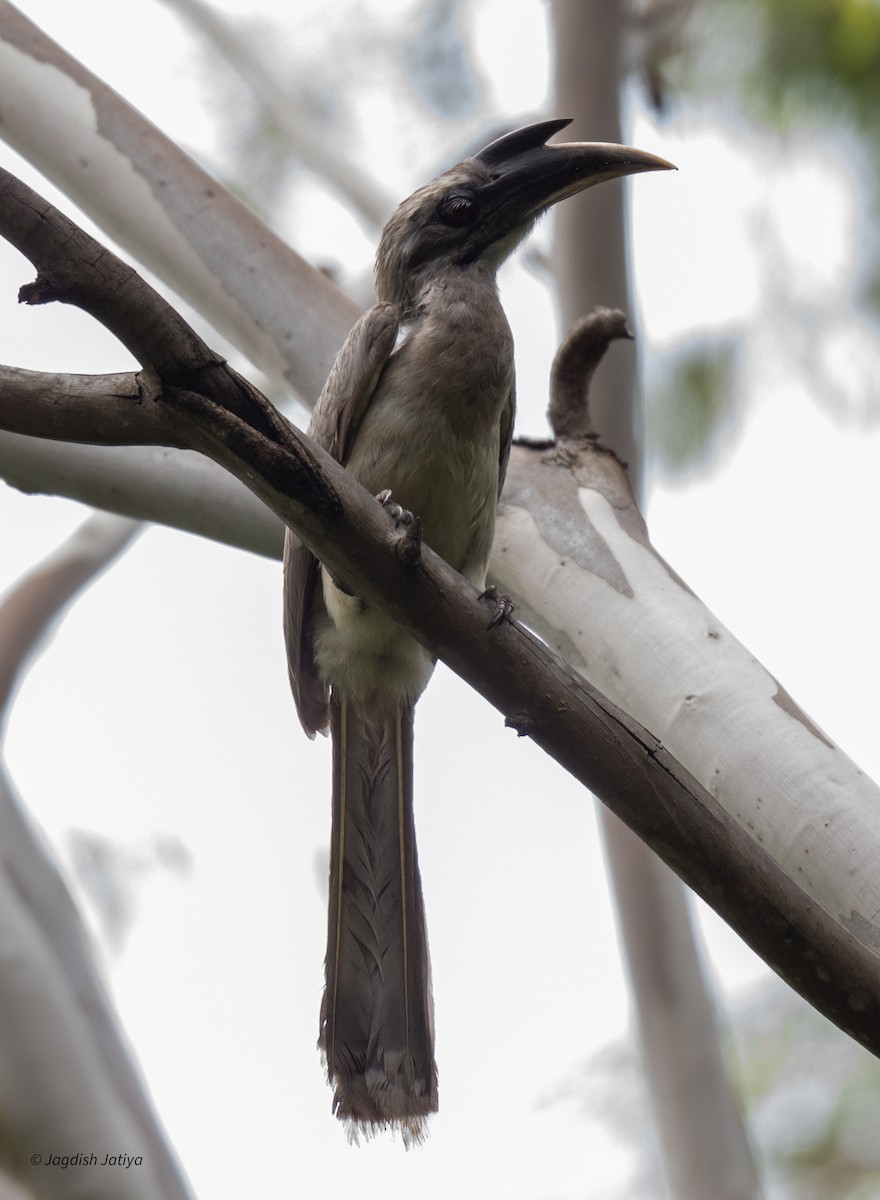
459 346
460 322
448 290
460 309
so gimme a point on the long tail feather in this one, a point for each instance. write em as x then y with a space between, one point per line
377 1026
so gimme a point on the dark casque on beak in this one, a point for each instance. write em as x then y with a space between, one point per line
529 176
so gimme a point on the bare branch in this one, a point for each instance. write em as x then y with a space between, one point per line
31 607
66 1039
589 244
172 487
170 214
65 1076
704 1150
573 369
101 410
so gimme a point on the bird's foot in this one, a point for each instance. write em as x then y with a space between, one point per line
504 606
402 516
409 545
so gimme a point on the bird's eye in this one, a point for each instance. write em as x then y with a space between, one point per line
457 210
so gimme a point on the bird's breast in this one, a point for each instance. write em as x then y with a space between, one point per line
432 432
444 475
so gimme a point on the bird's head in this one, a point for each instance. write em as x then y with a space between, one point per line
478 211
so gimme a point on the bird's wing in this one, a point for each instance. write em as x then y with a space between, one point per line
340 409
508 415
352 382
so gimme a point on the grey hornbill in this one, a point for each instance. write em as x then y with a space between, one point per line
420 401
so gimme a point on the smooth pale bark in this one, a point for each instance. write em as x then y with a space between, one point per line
57 1092
36 601
67 1081
159 205
606 601
150 483
589 254
703 1142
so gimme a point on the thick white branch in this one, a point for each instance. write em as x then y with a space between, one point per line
608 603
67 1082
158 204
151 483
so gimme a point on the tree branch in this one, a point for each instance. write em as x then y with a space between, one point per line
150 483
155 201
705 1148
28 612
62 1037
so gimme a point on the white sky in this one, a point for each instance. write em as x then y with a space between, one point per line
161 706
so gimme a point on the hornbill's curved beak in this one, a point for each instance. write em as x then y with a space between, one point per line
528 176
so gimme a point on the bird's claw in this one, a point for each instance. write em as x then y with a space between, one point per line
409 545
504 606
402 516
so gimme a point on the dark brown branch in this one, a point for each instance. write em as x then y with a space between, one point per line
220 415
104 410
573 369
75 269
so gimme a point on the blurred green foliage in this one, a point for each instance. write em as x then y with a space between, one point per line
813 1099
815 59
686 410
791 68
786 62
